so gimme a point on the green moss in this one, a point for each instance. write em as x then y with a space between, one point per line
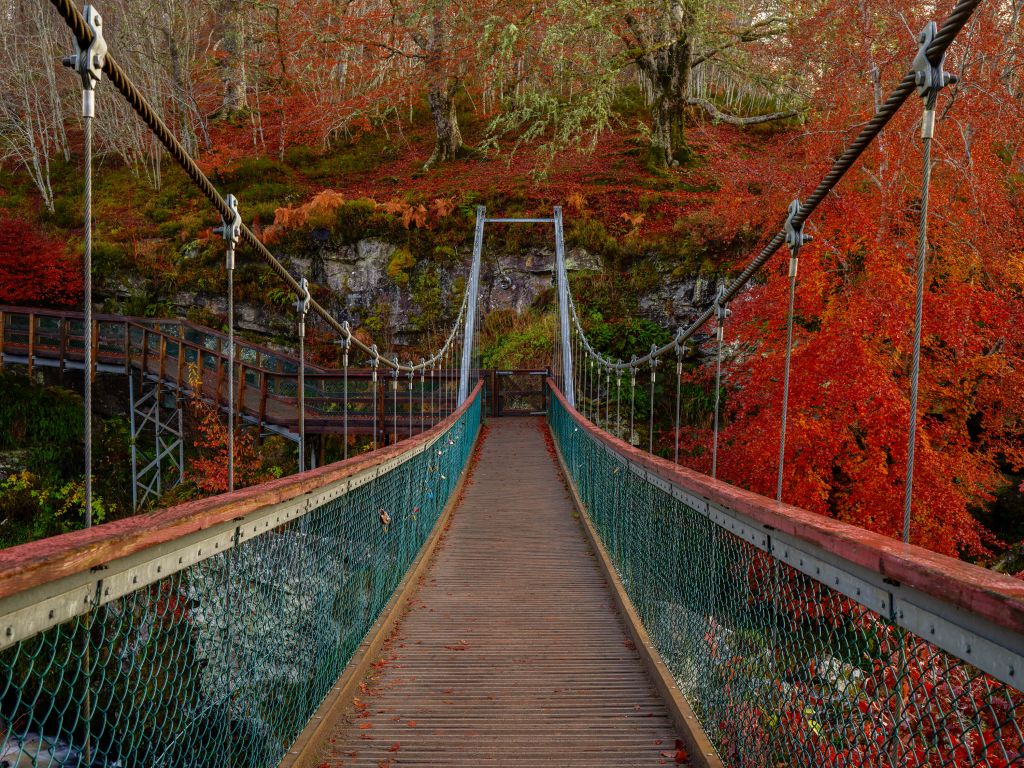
251 171
68 212
271 191
592 235
400 266
109 259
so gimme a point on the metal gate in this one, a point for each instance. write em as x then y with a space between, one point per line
519 393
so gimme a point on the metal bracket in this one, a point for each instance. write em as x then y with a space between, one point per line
654 361
88 62
374 361
231 231
302 302
929 78
722 312
795 236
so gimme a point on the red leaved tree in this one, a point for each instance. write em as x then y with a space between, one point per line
35 269
208 468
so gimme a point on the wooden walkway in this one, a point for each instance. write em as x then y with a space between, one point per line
512 653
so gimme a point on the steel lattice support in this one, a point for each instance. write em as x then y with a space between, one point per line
157 418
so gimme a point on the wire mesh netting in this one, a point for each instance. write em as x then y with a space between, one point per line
223 663
780 669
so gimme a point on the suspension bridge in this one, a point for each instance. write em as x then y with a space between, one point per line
478 590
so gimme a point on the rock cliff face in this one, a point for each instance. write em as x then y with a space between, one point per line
358 276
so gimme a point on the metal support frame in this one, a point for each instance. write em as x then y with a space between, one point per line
563 308
473 291
231 231
156 411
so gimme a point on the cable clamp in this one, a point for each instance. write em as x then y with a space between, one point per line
795 237
230 231
302 302
929 78
374 361
88 62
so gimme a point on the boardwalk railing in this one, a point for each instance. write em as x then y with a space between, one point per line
209 633
799 640
192 357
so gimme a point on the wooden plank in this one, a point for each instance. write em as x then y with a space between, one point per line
31 341
994 596
95 348
305 751
3 335
47 560
511 652
263 399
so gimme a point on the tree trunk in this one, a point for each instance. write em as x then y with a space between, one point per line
232 66
665 62
448 143
668 135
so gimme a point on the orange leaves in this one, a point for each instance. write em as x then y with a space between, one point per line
318 212
322 211
418 215
441 207
209 469
679 755
634 220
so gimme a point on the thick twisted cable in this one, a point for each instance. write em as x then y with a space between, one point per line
951 27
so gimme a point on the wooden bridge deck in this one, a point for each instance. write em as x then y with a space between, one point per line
512 652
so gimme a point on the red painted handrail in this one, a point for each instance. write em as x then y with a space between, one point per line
990 595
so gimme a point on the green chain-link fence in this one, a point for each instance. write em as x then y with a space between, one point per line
224 662
780 669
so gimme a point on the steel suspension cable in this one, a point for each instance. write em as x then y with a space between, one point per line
721 313
793 262
679 384
931 80
87 129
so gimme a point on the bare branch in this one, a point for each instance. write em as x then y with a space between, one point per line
722 117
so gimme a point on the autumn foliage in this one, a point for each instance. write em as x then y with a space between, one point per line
207 466
36 270
849 401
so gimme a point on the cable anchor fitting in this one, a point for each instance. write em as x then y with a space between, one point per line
654 361
680 350
929 78
795 237
374 361
88 61
302 304
230 231
722 312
